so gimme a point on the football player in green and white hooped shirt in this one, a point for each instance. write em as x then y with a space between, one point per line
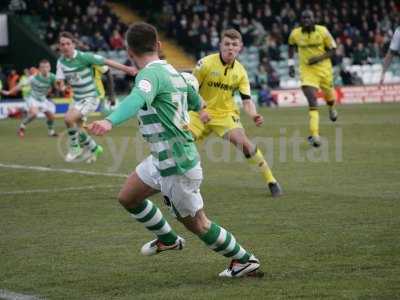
76 68
161 99
37 100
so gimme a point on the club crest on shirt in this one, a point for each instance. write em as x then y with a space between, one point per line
144 85
215 73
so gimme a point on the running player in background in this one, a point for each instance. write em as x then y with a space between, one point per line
37 100
219 76
25 84
107 102
315 47
161 99
76 68
394 49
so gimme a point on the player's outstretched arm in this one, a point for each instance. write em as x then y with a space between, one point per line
127 109
116 65
250 109
16 88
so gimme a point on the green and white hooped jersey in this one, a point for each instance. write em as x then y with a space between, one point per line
40 86
78 72
164 119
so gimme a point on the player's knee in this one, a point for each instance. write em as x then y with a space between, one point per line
123 199
199 224
67 120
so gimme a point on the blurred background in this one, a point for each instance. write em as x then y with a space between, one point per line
191 28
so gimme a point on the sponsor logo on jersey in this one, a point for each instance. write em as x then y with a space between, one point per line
220 85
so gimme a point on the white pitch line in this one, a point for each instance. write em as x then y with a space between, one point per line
8 295
70 171
56 190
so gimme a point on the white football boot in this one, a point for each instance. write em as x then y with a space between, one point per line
156 246
237 269
73 153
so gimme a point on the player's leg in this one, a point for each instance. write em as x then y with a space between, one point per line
198 129
92 150
32 113
182 193
140 185
310 92
237 137
223 242
329 96
72 121
50 123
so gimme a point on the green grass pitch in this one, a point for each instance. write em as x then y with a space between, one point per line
335 234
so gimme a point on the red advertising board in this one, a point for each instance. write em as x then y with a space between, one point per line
344 95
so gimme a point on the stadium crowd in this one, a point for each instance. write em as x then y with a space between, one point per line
96 26
362 29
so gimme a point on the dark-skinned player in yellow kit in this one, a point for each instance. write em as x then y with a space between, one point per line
315 46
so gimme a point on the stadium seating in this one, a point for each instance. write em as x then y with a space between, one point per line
265 30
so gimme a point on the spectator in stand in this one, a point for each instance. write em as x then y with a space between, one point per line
261 76
2 78
203 46
91 10
265 97
116 41
17 6
360 55
99 43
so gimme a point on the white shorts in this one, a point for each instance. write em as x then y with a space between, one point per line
86 106
181 192
42 106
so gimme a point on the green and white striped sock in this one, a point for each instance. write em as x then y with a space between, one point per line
223 242
151 217
50 124
73 137
87 141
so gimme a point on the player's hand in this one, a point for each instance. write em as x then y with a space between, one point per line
258 120
292 72
132 71
204 116
5 93
313 60
99 127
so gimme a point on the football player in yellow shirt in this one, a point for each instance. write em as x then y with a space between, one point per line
107 105
315 47
219 76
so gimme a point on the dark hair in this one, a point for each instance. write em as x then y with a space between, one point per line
68 35
44 61
142 38
232 34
